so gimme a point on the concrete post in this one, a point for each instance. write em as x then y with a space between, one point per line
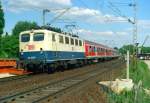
128 63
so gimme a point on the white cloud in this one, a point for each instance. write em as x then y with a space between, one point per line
144 24
109 37
81 14
89 32
21 5
122 33
92 16
102 33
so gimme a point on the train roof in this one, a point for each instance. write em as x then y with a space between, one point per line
33 30
41 30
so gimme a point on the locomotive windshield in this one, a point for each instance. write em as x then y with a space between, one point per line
38 37
25 38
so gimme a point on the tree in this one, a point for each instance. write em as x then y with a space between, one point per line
11 42
123 50
2 20
116 48
23 26
145 49
2 24
19 27
11 47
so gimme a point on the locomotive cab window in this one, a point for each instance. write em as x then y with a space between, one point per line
25 37
38 37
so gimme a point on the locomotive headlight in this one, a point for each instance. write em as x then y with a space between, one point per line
21 51
41 50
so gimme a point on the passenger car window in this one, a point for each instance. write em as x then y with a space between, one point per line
53 37
61 40
80 42
90 49
25 37
38 37
76 42
72 41
67 40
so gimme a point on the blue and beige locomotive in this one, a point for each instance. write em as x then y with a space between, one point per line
44 50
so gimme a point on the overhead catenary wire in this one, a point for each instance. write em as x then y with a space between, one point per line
112 8
122 3
145 40
100 4
117 11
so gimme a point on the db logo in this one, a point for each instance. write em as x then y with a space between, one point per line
31 47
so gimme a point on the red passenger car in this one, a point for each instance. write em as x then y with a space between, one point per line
93 50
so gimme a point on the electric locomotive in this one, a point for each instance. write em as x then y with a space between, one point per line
44 50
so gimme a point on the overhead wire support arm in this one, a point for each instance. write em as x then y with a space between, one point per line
145 40
122 3
44 13
55 18
50 10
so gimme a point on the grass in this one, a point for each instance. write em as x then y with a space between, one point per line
141 73
141 77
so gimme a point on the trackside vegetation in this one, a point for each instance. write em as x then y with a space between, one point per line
10 42
140 92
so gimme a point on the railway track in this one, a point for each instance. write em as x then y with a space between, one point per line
13 78
49 90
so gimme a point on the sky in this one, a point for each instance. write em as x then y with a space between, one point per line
102 21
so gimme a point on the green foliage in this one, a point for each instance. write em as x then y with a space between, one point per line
2 20
10 43
145 49
116 48
137 95
23 26
10 47
123 50
142 73
2 24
